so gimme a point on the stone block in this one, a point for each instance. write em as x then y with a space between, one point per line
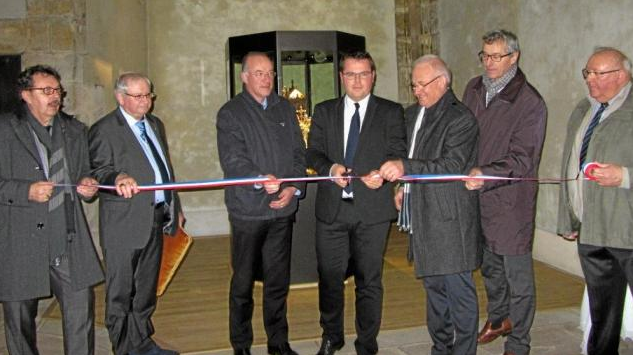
12 37
62 35
38 35
36 8
61 7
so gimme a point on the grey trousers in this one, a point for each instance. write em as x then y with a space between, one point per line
77 309
509 281
452 313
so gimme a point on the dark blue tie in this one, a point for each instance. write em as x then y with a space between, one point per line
352 142
159 161
587 138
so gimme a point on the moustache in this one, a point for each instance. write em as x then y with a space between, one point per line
54 103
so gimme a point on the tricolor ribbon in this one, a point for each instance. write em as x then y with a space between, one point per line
220 183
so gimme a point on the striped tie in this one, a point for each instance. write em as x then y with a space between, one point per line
58 175
587 138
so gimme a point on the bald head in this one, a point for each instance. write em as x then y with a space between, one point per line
430 79
607 71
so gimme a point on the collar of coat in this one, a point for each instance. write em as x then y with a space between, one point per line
510 92
272 99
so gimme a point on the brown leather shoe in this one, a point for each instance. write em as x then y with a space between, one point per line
487 334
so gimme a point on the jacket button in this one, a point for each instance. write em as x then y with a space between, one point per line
40 225
10 201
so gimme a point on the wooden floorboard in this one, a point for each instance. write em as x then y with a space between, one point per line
193 314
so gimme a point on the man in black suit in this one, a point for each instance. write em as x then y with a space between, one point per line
353 135
259 135
127 148
45 243
445 241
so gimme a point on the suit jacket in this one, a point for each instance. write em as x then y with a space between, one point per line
24 255
114 149
511 135
446 236
382 138
607 211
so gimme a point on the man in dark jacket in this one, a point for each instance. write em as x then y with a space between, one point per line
444 234
45 243
128 147
353 134
259 135
512 117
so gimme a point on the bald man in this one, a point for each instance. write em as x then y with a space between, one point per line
598 213
445 239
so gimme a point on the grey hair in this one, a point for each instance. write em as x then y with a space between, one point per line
510 39
124 79
437 64
252 54
626 62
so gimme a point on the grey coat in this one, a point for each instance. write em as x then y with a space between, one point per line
24 255
446 235
608 211
114 149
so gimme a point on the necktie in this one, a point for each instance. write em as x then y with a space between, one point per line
587 138
352 142
159 161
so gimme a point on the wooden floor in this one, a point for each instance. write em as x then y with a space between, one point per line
193 313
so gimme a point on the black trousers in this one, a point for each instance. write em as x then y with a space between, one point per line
259 249
509 281
452 313
343 241
607 272
77 307
131 281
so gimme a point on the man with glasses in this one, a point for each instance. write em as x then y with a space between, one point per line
444 233
128 148
512 118
353 135
259 135
45 242
598 213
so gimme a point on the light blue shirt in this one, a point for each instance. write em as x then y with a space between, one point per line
159 195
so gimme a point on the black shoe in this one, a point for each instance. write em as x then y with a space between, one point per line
328 347
242 352
283 349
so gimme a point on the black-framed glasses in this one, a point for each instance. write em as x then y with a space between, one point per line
260 74
598 74
349 75
49 90
420 85
140 97
494 57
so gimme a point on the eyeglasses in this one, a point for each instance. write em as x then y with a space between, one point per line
420 85
140 97
260 74
49 90
598 74
362 75
495 57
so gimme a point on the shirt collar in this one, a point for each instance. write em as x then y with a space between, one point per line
363 102
615 101
131 121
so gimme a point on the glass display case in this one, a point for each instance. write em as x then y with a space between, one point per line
304 60
307 68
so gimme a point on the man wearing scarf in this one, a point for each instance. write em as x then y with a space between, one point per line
45 243
511 116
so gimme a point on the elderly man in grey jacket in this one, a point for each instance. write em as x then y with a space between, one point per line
599 213
445 238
